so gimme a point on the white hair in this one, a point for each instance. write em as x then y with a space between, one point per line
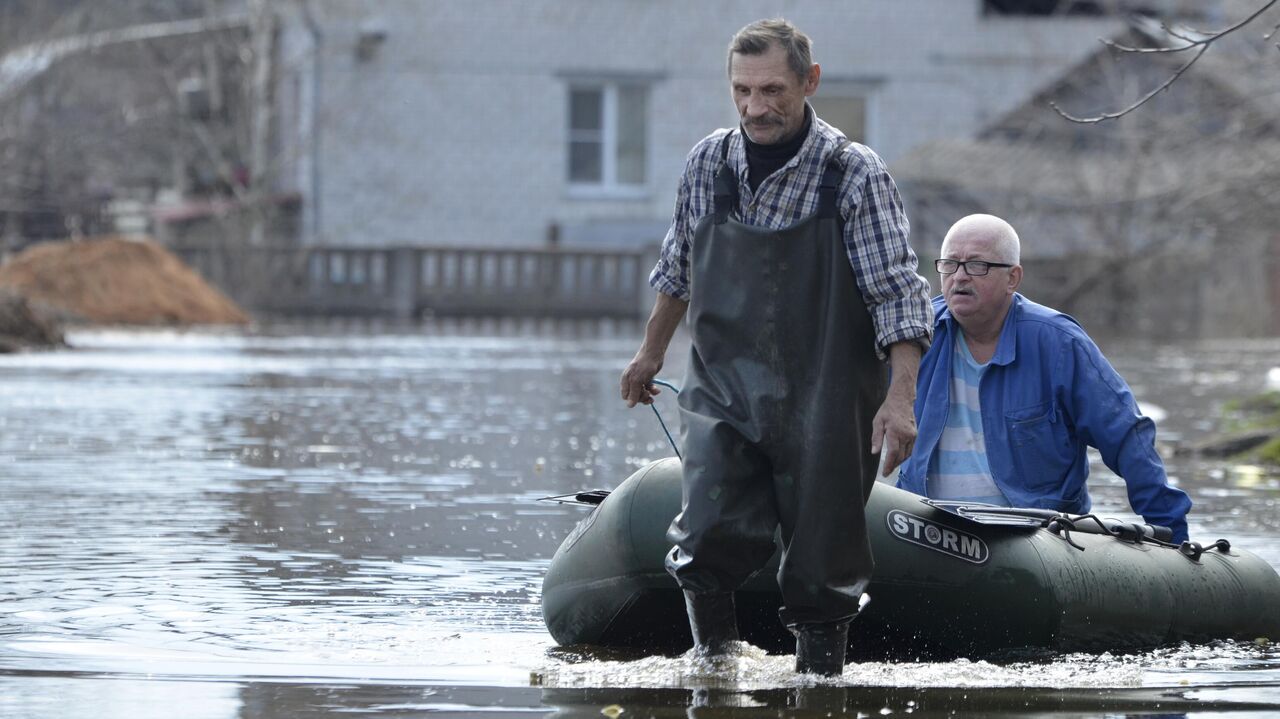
1004 239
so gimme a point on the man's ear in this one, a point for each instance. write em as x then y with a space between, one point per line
811 82
1015 278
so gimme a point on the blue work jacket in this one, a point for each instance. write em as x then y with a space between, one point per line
1047 396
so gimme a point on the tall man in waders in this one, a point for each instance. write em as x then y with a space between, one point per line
788 251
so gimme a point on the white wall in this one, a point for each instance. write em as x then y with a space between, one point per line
454 130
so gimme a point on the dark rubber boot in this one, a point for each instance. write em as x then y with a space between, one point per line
820 648
713 620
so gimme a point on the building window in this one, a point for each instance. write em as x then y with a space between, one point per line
607 127
846 113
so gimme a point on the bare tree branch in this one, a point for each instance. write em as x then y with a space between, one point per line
1192 43
1200 44
1138 103
208 145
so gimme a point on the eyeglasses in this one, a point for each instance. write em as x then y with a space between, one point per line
973 268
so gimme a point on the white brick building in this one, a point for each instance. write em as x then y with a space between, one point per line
502 122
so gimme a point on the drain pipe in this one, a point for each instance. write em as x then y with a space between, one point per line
317 65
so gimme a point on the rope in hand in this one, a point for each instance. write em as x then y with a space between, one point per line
658 414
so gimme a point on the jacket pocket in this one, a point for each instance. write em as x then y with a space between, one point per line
1041 445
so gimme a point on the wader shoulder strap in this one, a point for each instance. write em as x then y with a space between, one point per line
831 177
726 185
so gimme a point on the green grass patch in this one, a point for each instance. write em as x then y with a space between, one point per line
1267 403
1247 414
1270 452
1261 411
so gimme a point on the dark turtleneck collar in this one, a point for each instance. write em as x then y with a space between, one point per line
764 160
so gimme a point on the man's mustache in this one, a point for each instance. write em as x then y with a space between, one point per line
765 121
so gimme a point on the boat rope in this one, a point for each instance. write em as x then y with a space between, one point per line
1063 525
1193 550
594 497
658 414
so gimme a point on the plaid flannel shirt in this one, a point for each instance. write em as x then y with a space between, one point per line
875 226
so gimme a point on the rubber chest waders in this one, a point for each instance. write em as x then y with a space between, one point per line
782 385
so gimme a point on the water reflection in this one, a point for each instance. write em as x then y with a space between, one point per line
134 698
302 522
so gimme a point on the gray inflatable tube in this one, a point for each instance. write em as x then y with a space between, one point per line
944 585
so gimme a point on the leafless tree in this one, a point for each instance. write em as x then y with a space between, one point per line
1162 224
82 111
111 96
1179 40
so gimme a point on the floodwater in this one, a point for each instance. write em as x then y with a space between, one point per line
345 520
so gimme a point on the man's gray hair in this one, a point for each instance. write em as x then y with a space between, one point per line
759 36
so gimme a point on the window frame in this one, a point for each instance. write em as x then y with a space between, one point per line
866 89
609 187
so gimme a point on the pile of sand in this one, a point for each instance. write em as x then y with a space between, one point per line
24 327
117 281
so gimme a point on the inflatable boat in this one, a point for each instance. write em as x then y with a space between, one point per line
950 581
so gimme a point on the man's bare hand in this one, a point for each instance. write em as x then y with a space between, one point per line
637 379
894 426
894 431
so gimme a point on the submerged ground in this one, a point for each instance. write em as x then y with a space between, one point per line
320 521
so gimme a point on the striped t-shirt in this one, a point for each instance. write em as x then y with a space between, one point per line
958 469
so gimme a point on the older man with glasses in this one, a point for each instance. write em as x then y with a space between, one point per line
1011 394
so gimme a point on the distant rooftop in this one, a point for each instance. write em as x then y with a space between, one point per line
1182 9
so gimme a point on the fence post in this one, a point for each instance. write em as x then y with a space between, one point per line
404 282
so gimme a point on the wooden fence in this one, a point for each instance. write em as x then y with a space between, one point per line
409 282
